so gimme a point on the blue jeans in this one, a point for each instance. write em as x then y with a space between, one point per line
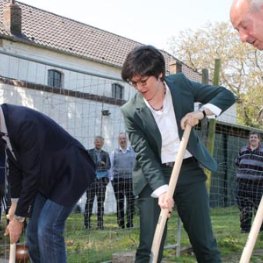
45 231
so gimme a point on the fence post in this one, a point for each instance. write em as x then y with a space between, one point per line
204 122
212 126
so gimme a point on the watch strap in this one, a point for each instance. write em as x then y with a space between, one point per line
20 219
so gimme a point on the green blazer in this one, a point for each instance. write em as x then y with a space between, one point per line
145 136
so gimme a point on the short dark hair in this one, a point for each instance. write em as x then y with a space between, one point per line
144 60
255 133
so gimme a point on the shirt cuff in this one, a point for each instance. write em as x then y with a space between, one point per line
216 110
14 200
160 190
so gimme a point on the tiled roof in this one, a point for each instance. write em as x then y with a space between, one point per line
62 34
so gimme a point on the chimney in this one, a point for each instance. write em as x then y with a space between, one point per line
12 18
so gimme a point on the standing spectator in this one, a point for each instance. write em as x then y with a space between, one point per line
249 180
2 175
247 18
5 200
98 188
48 172
122 161
155 119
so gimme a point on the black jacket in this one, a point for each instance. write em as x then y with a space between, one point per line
48 160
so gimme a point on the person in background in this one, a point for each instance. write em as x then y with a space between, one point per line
5 200
122 161
98 188
249 178
48 171
2 176
155 119
247 18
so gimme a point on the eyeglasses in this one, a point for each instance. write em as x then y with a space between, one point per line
141 82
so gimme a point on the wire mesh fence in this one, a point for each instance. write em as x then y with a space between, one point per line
87 104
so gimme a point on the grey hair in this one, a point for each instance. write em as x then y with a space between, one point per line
99 137
123 133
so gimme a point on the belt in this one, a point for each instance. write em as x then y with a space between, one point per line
185 161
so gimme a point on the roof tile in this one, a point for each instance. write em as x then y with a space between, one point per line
48 30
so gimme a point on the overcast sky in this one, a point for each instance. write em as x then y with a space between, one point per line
146 21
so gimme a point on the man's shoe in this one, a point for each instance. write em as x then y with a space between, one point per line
100 225
121 224
129 225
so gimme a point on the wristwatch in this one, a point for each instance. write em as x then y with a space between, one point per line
19 219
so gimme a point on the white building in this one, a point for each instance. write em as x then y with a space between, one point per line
68 70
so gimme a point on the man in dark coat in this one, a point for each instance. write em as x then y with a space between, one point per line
49 170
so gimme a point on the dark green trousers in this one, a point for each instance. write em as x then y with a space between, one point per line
192 204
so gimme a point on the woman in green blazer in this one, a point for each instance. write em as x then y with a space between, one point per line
155 119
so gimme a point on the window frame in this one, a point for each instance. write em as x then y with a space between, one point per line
117 91
56 79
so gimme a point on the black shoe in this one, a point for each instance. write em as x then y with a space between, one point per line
100 225
129 225
121 224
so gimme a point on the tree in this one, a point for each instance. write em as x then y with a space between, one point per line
241 65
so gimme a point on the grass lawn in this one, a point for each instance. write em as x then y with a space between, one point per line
96 246
99 245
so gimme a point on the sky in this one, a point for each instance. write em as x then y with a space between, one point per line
146 21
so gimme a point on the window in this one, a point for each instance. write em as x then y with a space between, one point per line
117 91
54 78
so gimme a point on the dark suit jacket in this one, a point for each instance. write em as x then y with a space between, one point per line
48 160
145 136
104 156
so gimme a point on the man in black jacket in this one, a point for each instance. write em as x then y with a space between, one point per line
102 160
48 172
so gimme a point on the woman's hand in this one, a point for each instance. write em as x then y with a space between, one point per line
192 118
166 202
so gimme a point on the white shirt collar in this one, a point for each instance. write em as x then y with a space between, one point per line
3 129
2 122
